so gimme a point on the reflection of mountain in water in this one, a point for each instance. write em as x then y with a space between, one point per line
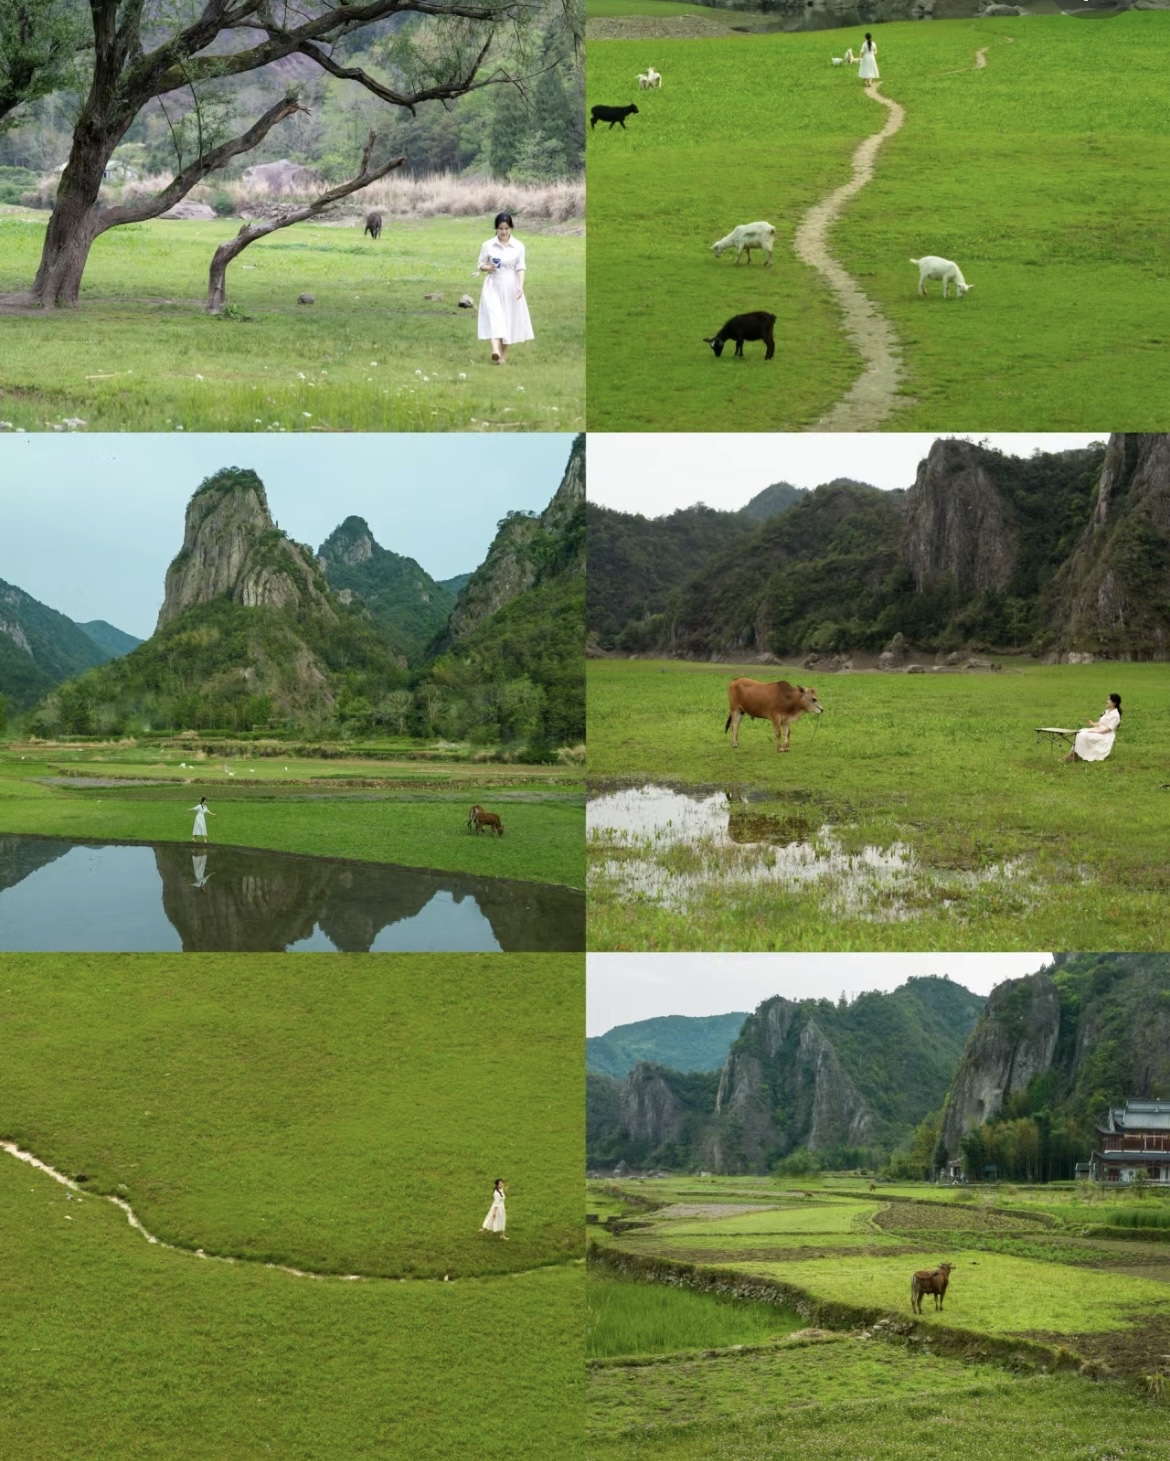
232 899
21 856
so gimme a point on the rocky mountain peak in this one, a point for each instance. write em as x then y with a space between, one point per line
351 542
232 549
958 523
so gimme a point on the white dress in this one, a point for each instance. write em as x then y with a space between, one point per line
1095 743
868 70
501 315
200 827
494 1222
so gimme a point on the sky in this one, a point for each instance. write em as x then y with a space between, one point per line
655 474
624 988
89 523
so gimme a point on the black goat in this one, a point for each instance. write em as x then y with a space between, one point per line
612 115
374 226
756 326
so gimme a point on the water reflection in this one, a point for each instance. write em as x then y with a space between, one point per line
65 896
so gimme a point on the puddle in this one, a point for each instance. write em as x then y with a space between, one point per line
62 896
672 846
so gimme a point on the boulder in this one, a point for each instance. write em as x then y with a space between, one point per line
188 210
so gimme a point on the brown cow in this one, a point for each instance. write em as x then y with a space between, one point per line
478 818
929 1281
777 701
373 225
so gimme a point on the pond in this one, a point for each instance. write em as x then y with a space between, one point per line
61 896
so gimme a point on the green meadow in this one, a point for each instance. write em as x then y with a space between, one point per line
918 812
992 1371
345 1124
371 354
410 813
1056 138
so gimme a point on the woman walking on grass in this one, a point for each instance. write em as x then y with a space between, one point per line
202 812
868 70
503 310
1096 741
495 1220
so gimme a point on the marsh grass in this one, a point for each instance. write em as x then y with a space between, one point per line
407 815
636 1319
372 354
1078 102
961 830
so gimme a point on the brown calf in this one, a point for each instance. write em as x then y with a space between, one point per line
478 818
777 701
929 1281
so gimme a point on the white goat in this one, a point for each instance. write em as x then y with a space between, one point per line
932 267
745 238
651 81
838 60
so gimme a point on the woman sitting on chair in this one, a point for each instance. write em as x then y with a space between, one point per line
1096 741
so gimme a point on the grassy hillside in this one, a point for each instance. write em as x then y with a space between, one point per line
682 1042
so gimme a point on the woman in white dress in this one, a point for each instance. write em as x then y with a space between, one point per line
868 70
503 310
202 812
495 1220
1096 741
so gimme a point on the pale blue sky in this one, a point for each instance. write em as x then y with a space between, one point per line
88 524
624 988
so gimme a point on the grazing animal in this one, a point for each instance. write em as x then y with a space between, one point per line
850 58
838 60
932 267
873 1186
746 237
929 1281
479 818
777 701
756 326
651 81
373 225
612 115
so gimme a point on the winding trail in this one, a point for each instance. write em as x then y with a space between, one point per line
136 1223
872 396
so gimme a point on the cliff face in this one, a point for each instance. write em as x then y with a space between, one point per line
1112 597
1015 1041
958 524
1091 1031
404 602
523 552
651 1111
233 550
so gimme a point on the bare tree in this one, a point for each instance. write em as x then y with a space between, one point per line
141 53
217 280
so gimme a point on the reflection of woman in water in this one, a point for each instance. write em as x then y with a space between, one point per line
1096 741
503 310
868 70
202 812
199 869
494 1222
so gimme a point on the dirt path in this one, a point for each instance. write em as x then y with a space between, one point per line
135 1222
872 396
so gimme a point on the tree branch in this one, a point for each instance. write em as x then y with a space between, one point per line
182 184
216 281
444 91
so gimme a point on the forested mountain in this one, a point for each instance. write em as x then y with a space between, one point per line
842 1082
404 602
249 636
512 655
680 1042
108 638
1052 553
39 648
1049 1056
637 563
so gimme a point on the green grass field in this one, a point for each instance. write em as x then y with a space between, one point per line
1032 173
898 1388
918 812
408 813
643 7
371 354
347 1125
